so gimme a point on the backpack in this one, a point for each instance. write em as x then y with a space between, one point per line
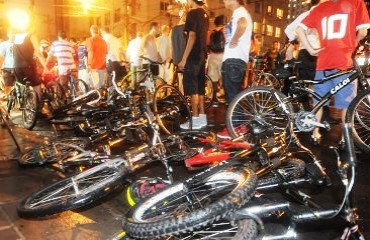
217 41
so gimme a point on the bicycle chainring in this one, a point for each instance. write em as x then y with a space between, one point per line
303 120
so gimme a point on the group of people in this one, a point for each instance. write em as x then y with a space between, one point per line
323 38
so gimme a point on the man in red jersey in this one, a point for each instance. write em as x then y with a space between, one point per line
341 24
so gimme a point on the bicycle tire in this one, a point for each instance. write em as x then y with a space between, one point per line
257 104
61 196
358 115
55 94
201 214
209 92
29 108
81 87
263 79
170 108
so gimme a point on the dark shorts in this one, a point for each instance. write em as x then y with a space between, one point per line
194 78
343 97
27 74
9 77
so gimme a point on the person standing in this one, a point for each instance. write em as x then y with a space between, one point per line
7 62
341 24
237 49
82 61
193 61
65 54
97 51
216 46
115 53
164 46
133 55
149 47
178 43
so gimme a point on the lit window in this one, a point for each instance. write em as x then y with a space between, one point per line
269 10
279 13
117 15
269 30
277 32
256 27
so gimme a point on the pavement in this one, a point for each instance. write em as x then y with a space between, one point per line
103 220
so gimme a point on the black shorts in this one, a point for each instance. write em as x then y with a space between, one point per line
194 78
9 77
27 74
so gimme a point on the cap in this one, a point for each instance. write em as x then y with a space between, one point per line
200 2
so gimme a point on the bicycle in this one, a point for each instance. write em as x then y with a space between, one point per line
261 77
198 201
73 87
24 98
210 92
271 106
97 182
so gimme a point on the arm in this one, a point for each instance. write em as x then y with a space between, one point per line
189 47
303 39
37 53
240 29
361 34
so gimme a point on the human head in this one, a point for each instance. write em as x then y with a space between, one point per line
233 4
62 35
104 30
220 20
44 45
94 30
314 2
275 45
154 28
10 34
165 30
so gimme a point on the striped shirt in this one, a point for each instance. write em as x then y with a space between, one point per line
64 53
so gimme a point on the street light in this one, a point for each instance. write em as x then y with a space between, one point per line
18 19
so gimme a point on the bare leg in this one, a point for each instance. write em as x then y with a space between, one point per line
316 132
195 104
201 104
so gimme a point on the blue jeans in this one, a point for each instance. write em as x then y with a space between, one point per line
233 73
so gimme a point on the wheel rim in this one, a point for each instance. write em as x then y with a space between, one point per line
30 107
171 108
67 190
361 120
179 199
257 106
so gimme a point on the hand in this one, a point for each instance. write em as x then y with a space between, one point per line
315 52
233 43
181 65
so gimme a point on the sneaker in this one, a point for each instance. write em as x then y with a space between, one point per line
202 120
195 124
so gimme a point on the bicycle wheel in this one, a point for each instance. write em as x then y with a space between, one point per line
74 192
265 79
81 87
52 152
209 95
191 204
358 115
257 104
170 108
29 108
55 94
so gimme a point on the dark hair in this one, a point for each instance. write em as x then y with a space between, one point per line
295 41
62 34
314 2
241 2
105 29
153 24
220 20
